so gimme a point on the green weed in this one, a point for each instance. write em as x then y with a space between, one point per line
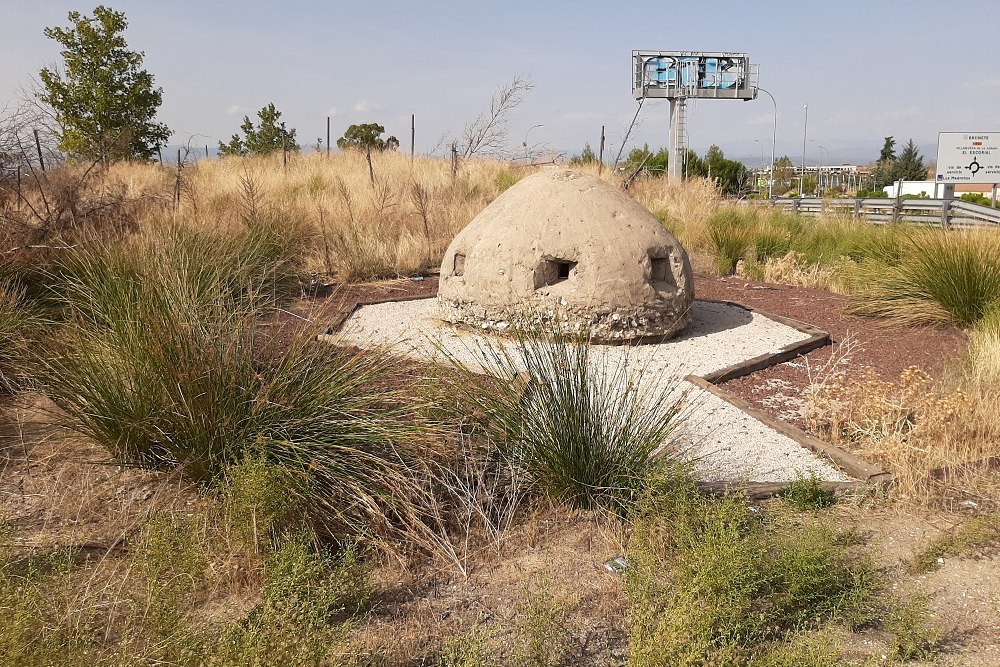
808 494
165 363
713 581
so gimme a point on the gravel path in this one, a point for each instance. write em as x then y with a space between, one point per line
725 443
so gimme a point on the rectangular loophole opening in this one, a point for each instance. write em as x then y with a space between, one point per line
660 274
459 267
660 269
552 272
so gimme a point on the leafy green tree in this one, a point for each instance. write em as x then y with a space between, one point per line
884 172
269 136
910 165
367 137
104 101
694 166
586 157
784 174
651 163
731 175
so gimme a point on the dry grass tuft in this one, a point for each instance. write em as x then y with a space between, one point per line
939 439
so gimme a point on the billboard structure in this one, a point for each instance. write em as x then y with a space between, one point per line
968 157
678 76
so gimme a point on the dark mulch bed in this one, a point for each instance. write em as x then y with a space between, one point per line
880 345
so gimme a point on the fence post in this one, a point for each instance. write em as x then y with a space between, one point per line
38 145
947 196
454 160
857 208
600 163
328 136
177 183
413 134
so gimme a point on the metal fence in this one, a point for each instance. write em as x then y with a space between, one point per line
953 213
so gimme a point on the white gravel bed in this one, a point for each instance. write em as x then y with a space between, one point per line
726 443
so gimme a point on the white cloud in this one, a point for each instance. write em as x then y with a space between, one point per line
364 106
235 109
333 111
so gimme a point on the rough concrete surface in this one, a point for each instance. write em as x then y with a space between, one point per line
570 247
726 443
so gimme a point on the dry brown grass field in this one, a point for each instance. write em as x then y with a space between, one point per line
183 483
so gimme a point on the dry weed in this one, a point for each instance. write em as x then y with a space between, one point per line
939 439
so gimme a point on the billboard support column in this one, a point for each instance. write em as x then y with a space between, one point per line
678 145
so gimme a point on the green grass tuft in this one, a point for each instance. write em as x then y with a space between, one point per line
943 277
583 428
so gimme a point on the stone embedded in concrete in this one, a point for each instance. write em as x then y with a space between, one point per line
569 248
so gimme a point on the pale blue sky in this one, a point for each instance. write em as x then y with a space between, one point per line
866 69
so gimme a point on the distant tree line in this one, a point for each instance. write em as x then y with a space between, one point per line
732 176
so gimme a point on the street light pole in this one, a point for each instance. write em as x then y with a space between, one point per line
802 175
774 134
525 142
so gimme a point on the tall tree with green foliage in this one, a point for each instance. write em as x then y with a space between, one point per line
268 136
648 161
888 152
909 166
784 174
103 100
731 175
586 157
884 172
367 137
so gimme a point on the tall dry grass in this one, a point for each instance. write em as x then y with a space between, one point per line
394 220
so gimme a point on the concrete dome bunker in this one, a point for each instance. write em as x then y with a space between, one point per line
562 246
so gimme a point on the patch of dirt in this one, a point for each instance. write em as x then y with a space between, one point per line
962 595
553 561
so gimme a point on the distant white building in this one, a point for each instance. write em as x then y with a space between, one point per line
936 190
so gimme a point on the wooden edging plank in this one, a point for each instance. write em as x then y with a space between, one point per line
849 463
764 490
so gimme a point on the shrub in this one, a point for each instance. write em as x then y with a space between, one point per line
943 277
165 364
808 494
714 581
578 419
296 623
982 356
729 239
979 534
976 198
